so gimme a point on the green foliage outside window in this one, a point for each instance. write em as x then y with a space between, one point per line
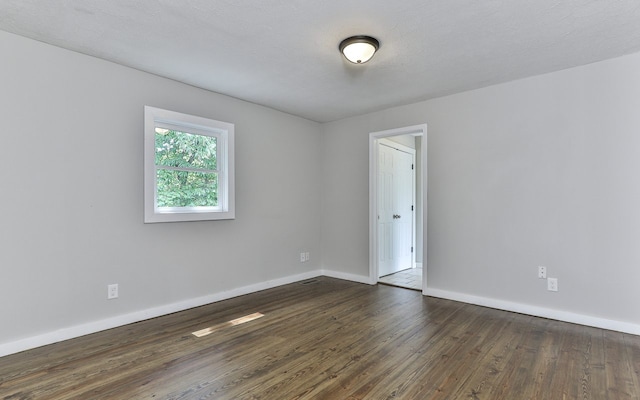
186 169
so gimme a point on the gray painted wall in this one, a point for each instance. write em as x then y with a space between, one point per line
72 135
540 171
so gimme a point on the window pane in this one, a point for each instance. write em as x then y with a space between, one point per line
187 150
187 189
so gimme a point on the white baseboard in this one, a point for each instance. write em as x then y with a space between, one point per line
564 316
347 277
120 320
417 265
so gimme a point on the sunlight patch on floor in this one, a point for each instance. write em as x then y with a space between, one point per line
233 322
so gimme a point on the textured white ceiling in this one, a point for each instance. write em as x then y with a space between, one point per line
284 53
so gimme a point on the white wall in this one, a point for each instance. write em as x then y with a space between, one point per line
72 135
406 140
540 171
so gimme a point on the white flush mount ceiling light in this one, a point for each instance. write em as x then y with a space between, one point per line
359 49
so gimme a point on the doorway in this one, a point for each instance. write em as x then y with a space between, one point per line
397 207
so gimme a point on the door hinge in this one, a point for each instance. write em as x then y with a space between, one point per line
412 249
411 208
411 166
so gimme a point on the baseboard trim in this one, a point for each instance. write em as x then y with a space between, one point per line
120 320
535 311
347 277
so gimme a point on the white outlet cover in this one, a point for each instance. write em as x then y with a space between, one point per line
542 272
552 284
112 291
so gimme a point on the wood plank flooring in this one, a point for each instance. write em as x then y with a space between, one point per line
333 339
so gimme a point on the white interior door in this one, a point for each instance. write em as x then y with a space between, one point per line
395 210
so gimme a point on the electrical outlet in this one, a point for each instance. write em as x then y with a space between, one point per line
302 257
306 256
552 284
112 291
542 272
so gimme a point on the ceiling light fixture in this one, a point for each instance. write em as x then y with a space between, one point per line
359 49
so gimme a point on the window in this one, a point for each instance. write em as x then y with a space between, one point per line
188 167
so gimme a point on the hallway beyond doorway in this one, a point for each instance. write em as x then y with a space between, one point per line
409 278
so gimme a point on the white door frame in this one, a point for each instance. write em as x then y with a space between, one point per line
416 130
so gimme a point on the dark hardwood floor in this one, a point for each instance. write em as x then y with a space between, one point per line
333 339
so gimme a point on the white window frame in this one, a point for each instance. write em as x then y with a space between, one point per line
223 131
